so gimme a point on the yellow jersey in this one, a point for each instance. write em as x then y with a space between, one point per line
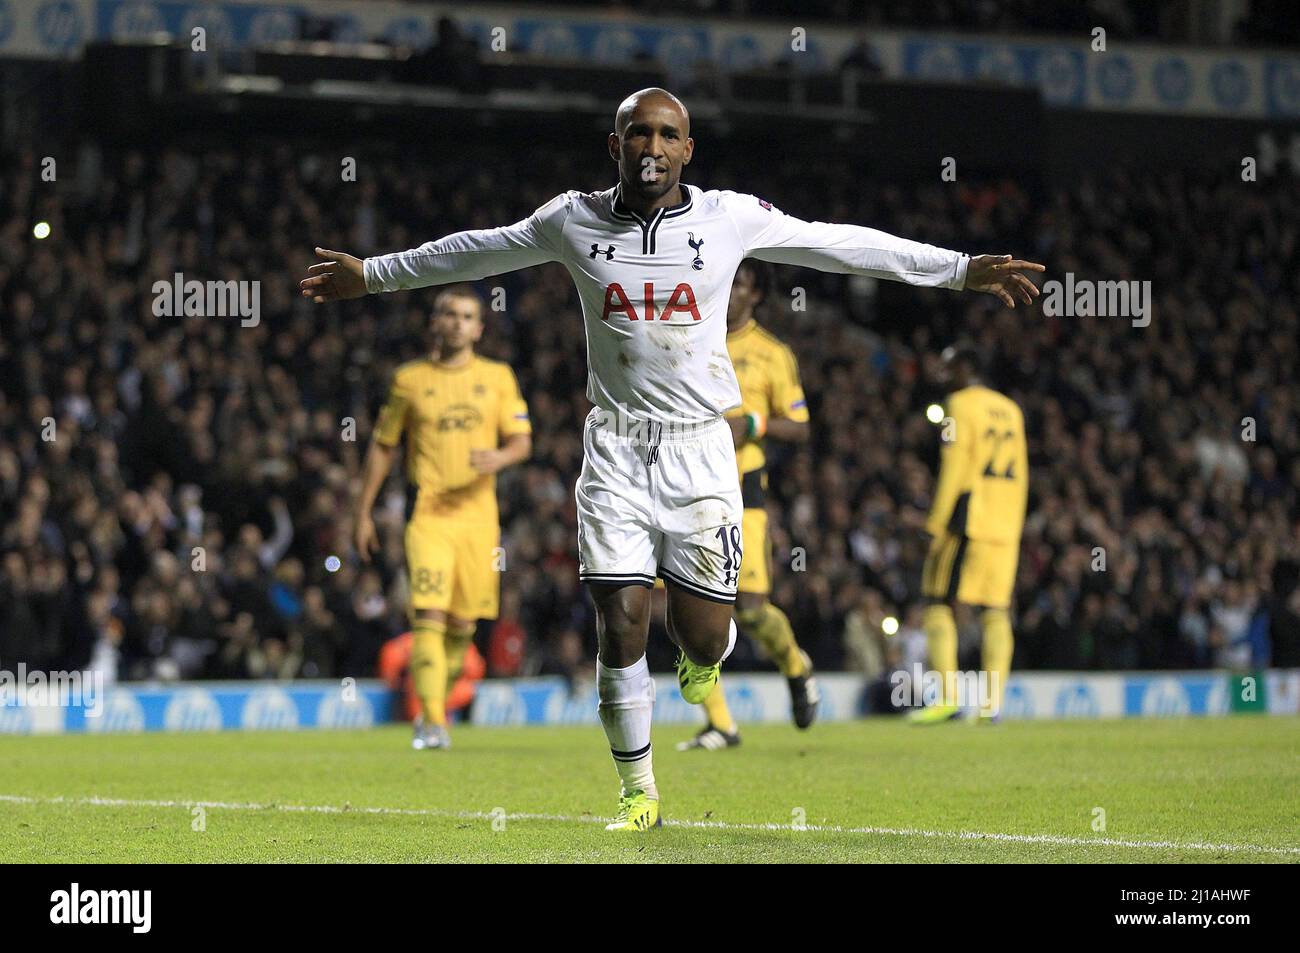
769 385
446 412
983 485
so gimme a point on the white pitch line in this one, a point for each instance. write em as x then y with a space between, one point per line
1058 840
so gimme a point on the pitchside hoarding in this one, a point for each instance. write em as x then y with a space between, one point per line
261 706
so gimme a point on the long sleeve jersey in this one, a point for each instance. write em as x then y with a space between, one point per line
654 289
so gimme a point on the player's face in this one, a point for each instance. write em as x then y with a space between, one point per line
458 324
652 148
744 296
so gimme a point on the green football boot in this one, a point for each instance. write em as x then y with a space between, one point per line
696 680
933 714
637 812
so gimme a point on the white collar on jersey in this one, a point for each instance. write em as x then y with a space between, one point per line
620 210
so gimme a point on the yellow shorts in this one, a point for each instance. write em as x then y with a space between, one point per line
756 554
971 571
454 567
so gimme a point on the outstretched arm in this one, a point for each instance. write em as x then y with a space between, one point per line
463 256
771 235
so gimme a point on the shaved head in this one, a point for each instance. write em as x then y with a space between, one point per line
651 142
651 95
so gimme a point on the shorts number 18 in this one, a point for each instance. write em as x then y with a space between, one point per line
731 553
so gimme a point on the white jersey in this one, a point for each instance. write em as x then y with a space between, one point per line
654 290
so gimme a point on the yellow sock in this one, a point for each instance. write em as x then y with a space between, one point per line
457 642
429 669
941 635
716 707
998 647
771 628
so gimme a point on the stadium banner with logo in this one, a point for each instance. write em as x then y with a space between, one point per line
204 706
1030 695
753 698
1068 72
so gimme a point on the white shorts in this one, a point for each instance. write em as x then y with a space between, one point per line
655 500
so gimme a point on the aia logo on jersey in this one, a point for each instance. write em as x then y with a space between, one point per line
766 204
617 301
459 417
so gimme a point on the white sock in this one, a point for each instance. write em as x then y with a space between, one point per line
627 697
731 641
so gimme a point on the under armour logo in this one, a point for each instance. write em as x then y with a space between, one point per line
698 263
597 250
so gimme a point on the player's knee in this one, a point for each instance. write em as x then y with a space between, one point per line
429 615
623 618
704 644
715 647
621 623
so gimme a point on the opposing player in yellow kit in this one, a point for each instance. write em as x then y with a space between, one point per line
975 522
464 421
772 405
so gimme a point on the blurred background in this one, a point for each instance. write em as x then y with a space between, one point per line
210 139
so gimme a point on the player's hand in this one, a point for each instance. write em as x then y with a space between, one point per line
365 539
1001 275
338 277
487 461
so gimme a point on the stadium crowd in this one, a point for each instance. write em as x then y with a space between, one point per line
1260 22
171 488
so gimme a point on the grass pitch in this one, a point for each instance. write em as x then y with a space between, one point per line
1200 790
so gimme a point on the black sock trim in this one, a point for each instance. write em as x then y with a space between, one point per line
630 755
